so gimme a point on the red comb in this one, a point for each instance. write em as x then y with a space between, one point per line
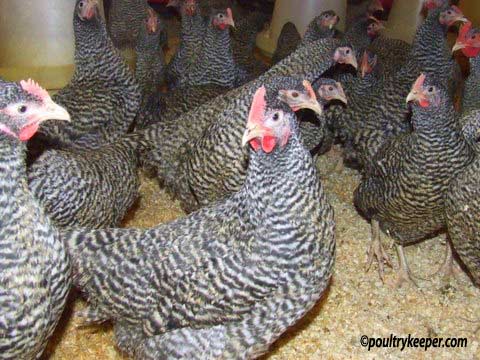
34 89
419 82
257 110
462 33
430 5
152 21
151 13
308 86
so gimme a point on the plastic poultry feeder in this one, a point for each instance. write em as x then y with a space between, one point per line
404 18
300 13
37 41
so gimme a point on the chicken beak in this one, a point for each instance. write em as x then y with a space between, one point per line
53 111
341 94
301 102
312 102
253 131
458 46
334 21
90 9
313 105
229 20
461 19
416 92
352 60
412 96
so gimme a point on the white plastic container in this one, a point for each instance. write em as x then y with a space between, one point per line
404 19
299 12
36 40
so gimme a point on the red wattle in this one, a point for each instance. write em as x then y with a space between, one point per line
28 131
424 103
255 144
268 143
471 51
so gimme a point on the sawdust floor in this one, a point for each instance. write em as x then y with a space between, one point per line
356 304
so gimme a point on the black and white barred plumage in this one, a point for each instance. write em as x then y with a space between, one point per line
125 19
471 95
35 267
462 203
255 263
88 188
198 157
150 62
102 97
191 39
404 186
213 62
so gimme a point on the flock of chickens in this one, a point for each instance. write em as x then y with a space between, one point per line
235 142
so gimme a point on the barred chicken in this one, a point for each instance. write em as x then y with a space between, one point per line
316 132
125 19
103 96
35 266
321 27
462 205
403 188
388 118
197 158
191 39
88 188
469 42
346 121
231 277
363 32
150 63
287 42
359 8
244 37
213 63
164 108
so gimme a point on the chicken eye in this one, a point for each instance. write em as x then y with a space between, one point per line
347 51
449 12
295 94
220 16
275 117
22 109
330 88
80 4
430 89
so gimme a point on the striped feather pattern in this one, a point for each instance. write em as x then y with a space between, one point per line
35 267
471 97
199 158
462 205
88 188
102 97
405 184
125 19
256 262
